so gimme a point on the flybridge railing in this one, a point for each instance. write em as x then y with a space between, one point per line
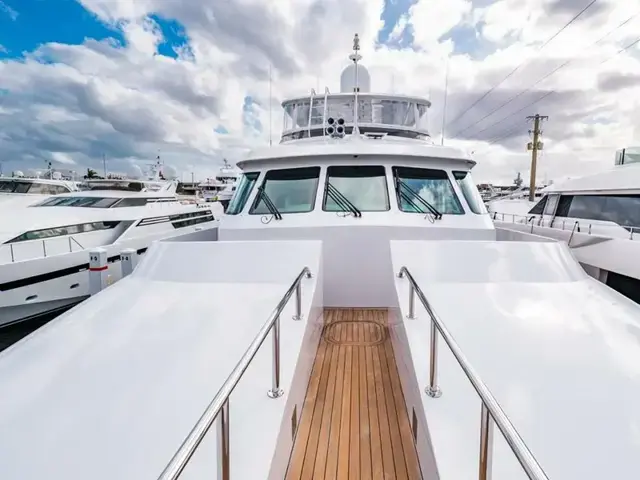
219 406
41 247
491 412
571 225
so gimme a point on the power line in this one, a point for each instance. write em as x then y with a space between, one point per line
517 111
563 65
488 92
501 137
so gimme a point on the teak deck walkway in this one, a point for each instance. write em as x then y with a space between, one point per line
354 423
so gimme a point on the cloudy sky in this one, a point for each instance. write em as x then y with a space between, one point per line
190 78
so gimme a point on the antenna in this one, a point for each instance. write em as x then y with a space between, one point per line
355 56
270 106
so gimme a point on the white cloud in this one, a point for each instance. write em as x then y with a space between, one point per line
62 157
7 10
74 103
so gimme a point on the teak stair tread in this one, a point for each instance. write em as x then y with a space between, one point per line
354 423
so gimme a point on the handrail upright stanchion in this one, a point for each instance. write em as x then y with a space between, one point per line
433 390
276 391
298 315
223 443
486 443
412 302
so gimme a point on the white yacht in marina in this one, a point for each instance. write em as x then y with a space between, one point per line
222 186
44 249
19 190
598 216
356 314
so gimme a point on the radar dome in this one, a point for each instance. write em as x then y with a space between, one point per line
348 79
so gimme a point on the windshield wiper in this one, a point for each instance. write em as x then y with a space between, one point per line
273 210
343 202
415 196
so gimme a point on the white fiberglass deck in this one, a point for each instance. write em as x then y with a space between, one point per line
558 350
110 389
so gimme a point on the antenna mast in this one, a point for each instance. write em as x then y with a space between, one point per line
355 56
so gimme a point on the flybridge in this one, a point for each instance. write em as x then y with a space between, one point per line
333 114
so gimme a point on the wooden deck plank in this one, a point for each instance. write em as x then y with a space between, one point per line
354 424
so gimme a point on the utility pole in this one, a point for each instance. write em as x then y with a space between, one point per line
534 146
104 164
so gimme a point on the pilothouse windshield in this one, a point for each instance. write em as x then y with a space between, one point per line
291 190
432 186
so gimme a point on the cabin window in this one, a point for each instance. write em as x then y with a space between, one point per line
552 203
47 189
621 209
470 192
89 202
292 190
245 186
432 186
365 186
140 202
61 231
539 207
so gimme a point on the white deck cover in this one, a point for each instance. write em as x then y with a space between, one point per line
559 351
110 389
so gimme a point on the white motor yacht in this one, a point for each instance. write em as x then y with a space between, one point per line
221 188
44 248
19 190
598 215
357 314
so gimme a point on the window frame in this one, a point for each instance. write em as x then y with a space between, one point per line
451 184
257 199
232 208
385 183
478 200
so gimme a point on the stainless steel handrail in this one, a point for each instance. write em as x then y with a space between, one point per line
573 230
219 406
490 407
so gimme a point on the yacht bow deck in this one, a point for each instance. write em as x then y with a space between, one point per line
354 421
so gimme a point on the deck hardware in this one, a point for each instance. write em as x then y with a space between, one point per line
412 303
492 413
276 391
218 409
298 315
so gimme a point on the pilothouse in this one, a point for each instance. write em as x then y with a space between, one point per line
356 314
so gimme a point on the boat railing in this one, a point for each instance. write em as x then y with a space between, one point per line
219 406
566 224
46 252
491 412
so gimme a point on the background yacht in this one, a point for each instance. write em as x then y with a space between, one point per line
358 314
221 187
44 248
598 215
19 190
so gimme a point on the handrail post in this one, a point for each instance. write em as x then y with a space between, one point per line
298 315
276 391
486 443
412 303
223 442
13 258
433 390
